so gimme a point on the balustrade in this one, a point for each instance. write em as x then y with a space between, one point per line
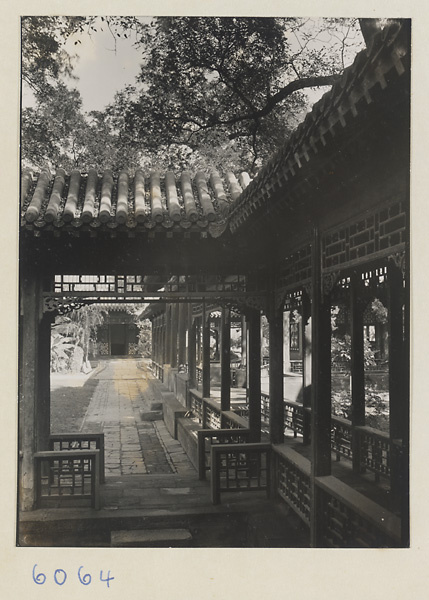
293 480
375 450
211 412
79 441
375 446
67 478
350 520
196 405
238 468
341 437
208 437
265 407
158 370
294 417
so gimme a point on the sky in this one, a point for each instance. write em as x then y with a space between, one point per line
103 65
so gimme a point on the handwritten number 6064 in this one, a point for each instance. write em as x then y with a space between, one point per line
60 577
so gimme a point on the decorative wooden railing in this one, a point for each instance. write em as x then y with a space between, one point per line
265 407
345 517
158 370
294 415
211 414
238 468
79 441
208 437
293 480
376 448
242 410
68 478
196 404
296 366
350 520
341 437
230 420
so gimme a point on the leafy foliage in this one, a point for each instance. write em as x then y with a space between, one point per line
229 83
218 92
74 331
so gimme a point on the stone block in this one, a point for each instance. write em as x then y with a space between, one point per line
151 415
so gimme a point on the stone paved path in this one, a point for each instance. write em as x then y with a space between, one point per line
131 445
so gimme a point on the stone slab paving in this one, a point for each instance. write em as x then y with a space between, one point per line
131 446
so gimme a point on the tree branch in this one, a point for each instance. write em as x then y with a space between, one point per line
294 86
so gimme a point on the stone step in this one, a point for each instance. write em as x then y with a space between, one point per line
151 415
151 538
156 406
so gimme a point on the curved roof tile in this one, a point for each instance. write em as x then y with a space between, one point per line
93 201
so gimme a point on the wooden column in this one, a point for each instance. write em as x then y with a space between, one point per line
206 353
44 382
306 364
398 377
357 366
286 342
320 387
167 340
174 331
405 457
243 341
29 335
275 319
153 338
192 350
254 375
182 327
225 359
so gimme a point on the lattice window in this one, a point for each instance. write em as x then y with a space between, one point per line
296 268
377 232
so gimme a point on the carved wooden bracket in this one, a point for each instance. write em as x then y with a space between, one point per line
328 282
398 258
62 306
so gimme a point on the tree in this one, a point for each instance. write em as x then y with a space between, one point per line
71 337
212 91
231 83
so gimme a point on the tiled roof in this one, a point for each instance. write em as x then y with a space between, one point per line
142 202
385 60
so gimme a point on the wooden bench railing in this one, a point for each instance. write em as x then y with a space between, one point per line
68 478
293 480
230 420
208 437
294 417
196 404
211 414
353 521
158 370
238 468
80 441
376 449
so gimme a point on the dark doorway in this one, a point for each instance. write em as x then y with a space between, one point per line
118 339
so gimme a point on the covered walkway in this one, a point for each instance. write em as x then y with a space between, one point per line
150 483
